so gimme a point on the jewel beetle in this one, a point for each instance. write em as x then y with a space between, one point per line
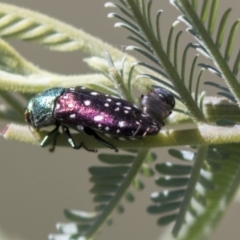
97 114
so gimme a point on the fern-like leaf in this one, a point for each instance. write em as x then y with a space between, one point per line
151 42
198 28
110 184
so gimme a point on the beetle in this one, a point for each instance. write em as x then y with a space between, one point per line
96 114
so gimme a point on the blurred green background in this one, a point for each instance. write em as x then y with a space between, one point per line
35 185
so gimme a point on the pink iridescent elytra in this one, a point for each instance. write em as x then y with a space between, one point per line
79 108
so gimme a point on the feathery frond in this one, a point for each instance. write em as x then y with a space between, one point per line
111 182
206 175
148 37
213 47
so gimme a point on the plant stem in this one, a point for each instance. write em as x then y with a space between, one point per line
200 157
203 135
209 44
166 63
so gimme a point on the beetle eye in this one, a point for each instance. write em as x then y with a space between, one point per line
27 116
170 100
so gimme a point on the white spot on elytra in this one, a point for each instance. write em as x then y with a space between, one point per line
118 131
137 122
72 88
126 111
129 108
99 125
65 97
109 99
80 127
143 115
135 106
106 105
107 128
72 115
87 102
116 109
70 105
118 103
94 93
58 106
83 88
121 124
98 118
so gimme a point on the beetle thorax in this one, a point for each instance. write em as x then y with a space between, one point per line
39 112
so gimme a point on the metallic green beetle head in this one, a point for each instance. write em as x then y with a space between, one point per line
39 111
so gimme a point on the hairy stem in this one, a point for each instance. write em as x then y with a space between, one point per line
203 135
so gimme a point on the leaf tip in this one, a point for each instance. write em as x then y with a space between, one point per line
4 131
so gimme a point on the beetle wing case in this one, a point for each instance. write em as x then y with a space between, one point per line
79 107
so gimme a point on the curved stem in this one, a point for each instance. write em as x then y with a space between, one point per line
162 57
209 44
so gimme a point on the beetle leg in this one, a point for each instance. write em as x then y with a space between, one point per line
90 132
51 149
134 134
72 143
51 137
